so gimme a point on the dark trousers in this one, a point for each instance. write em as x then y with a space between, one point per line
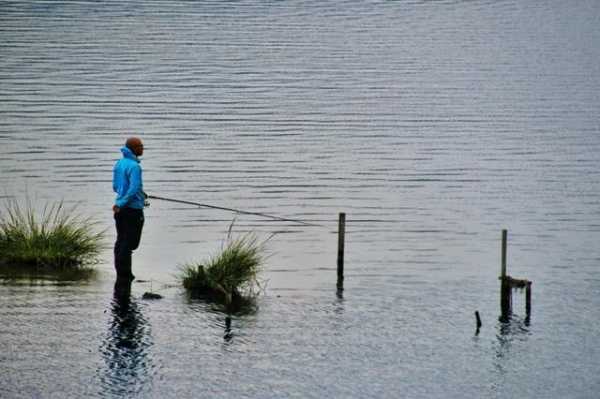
129 224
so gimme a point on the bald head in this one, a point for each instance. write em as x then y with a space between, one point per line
135 145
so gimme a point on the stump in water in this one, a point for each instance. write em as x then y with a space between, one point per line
507 284
151 295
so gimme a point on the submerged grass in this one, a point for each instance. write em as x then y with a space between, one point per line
58 238
230 276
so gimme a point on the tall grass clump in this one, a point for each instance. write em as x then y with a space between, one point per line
58 238
232 274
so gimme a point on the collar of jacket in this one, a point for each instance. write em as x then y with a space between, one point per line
127 153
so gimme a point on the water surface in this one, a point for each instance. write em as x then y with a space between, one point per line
433 125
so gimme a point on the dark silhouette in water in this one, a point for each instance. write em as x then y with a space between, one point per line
125 348
151 295
228 335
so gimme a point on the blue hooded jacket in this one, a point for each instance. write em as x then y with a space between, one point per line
127 181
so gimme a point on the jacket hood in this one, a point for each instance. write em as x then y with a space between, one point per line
127 153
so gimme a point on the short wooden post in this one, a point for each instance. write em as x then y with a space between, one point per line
340 256
528 299
505 287
479 324
506 298
503 264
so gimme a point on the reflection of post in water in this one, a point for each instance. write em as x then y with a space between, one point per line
514 332
339 302
125 348
340 294
228 335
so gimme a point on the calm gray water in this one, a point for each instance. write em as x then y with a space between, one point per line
433 124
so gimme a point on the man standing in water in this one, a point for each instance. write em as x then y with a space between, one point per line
129 206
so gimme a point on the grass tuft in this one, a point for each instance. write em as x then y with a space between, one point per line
232 274
58 238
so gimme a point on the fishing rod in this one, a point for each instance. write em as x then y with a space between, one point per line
231 210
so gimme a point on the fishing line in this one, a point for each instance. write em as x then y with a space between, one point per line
233 210
162 284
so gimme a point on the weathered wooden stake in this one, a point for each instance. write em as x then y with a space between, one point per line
505 287
340 257
528 299
507 284
506 298
503 265
479 324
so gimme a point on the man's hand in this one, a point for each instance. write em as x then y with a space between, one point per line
116 209
146 202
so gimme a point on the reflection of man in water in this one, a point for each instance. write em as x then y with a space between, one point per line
129 205
126 347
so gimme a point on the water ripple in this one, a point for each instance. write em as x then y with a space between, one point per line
432 125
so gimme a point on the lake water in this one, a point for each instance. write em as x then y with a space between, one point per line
432 124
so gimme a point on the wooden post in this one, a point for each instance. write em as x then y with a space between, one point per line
528 299
506 299
505 287
478 322
503 265
340 256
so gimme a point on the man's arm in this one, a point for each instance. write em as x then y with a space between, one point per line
135 186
